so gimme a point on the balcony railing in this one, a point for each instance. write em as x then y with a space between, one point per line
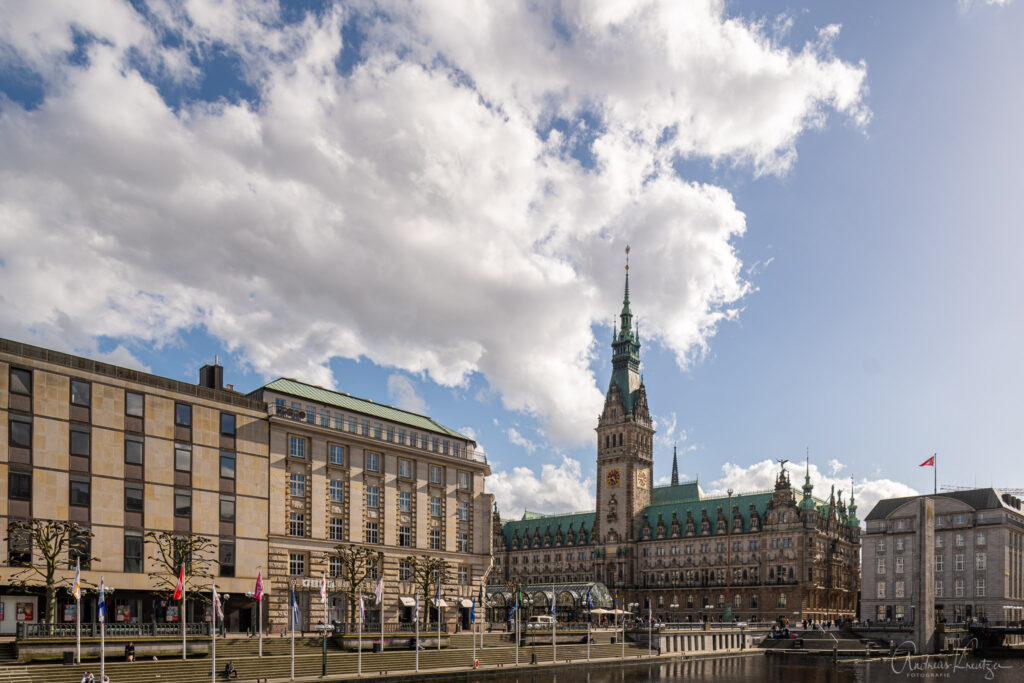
389 628
350 426
125 629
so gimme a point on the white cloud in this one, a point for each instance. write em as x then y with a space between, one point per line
416 211
519 440
560 488
761 476
402 392
835 467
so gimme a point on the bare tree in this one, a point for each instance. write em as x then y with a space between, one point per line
169 551
427 573
42 544
357 562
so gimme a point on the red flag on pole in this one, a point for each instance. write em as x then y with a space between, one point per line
181 584
930 462
257 594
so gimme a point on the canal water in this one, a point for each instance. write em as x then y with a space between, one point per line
760 669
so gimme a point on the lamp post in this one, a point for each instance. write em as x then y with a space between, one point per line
728 572
629 608
104 591
324 628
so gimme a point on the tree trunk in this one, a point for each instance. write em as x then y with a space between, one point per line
51 596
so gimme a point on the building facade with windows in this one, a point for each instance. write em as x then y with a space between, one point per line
346 470
978 553
121 453
684 554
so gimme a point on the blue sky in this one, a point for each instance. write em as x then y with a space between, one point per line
429 208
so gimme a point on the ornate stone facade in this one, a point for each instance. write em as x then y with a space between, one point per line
773 553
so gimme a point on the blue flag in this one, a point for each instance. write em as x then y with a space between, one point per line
512 613
102 606
295 609
472 612
590 599
437 593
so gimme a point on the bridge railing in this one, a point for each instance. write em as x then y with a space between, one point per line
126 629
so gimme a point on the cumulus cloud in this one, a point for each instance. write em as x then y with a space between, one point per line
404 395
519 440
446 196
761 476
559 488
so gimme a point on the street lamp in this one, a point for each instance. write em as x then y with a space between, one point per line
728 575
324 628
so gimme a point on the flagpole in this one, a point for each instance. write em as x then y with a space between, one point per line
474 631
935 473
259 618
416 618
78 612
291 624
517 629
554 618
359 670
184 646
213 622
103 632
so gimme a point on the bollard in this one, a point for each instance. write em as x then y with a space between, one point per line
835 653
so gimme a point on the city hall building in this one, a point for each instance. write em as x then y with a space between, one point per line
686 555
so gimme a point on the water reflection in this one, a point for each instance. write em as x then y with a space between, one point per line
758 669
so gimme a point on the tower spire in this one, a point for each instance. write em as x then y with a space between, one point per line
675 467
626 352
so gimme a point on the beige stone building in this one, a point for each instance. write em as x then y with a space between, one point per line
123 452
345 470
978 552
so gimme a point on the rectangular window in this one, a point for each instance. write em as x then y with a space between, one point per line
464 481
390 433
296 524
958 563
227 508
132 552
372 533
182 414
19 548
337 529
979 538
979 561
372 462
364 427
959 540
20 431
899 589
436 474
182 503
227 424
463 511
133 449
781 602
134 404
79 489
880 547
939 590
899 565
296 447
337 491
938 541
19 485
881 565
296 564
378 430
182 457
81 393
335 566
463 542
21 381
401 436
880 590
405 468
133 500
899 545
226 553
435 539
405 536
979 588
435 506
372 572
325 418
404 501
404 570
80 441
227 465
958 588
372 497
939 563
463 576
297 485
336 455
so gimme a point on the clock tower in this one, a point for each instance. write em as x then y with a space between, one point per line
624 453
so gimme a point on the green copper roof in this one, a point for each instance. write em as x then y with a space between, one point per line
358 405
711 505
533 522
688 490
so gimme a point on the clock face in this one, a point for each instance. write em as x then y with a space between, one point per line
611 479
641 479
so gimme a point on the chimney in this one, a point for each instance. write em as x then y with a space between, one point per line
212 376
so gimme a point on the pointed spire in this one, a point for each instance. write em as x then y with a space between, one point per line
807 503
626 328
675 467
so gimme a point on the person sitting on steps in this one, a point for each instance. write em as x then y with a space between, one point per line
230 671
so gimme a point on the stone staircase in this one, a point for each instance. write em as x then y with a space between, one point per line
275 664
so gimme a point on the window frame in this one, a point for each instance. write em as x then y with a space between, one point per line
141 558
296 444
336 448
141 442
20 475
80 481
142 399
182 410
234 424
10 381
371 457
141 489
72 393
405 464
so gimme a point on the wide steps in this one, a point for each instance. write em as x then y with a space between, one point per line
197 670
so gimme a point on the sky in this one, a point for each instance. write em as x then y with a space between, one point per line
427 204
